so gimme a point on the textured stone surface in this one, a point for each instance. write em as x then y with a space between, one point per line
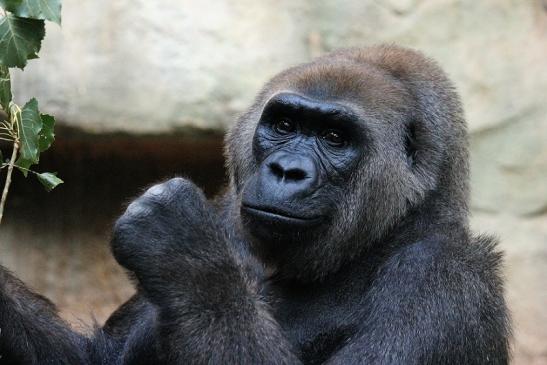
141 66
509 167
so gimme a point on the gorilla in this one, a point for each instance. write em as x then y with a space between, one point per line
342 238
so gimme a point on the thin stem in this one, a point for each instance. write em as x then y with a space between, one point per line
19 167
5 126
8 178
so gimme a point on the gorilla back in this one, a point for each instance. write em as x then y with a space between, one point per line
342 238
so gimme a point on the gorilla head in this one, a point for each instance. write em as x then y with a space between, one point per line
344 151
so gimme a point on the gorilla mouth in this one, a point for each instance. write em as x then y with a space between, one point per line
277 215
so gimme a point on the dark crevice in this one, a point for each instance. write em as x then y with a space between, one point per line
410 143
103 172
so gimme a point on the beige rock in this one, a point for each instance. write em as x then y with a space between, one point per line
142 67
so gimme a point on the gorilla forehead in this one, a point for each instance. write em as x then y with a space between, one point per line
364 88
310 107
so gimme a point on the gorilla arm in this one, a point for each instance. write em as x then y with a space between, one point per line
209 311
31 332
433 302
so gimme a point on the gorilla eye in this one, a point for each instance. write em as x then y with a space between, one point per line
334 138
284 126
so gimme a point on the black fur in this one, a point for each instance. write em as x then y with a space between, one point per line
342 238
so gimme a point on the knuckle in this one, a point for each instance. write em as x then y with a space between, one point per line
137 208
179 184
135 212
178 181
168 188
120 236
123 224
182 189
155 190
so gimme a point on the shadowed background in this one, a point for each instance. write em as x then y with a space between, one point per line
144 90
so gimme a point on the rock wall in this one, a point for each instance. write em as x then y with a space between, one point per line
157 67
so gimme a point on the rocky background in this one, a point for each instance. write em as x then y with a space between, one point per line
144 90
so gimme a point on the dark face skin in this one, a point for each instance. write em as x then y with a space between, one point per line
305 150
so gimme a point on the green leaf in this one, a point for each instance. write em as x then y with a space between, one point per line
20 40
47 135
29 127
23 166
49 180
5 88
35 9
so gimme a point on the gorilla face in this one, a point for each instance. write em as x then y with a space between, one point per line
305 150
328 164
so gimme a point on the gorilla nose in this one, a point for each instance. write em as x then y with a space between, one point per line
291 173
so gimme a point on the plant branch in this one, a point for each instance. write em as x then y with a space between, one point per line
4 165
8 178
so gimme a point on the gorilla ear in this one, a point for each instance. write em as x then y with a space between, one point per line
424 151
411 147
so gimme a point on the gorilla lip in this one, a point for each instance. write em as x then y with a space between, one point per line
271 213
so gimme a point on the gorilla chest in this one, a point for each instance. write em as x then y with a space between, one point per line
315 322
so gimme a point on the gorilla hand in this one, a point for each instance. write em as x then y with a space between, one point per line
170 237
174 243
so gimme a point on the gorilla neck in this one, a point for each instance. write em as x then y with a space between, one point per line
429 221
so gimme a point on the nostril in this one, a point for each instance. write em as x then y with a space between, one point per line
277 170
295 174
